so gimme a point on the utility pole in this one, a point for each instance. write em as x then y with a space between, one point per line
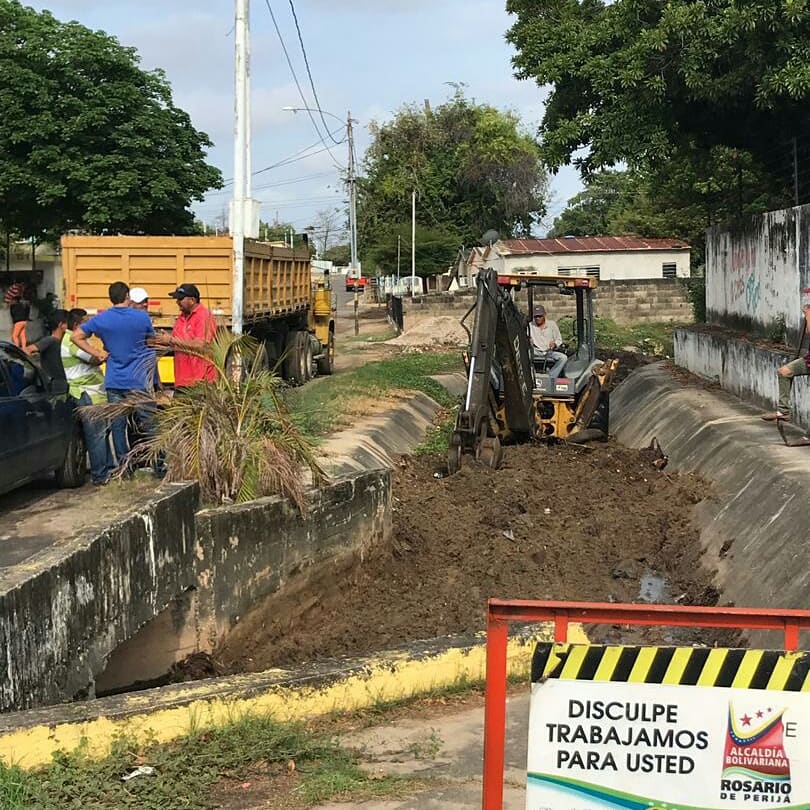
413 244
352 181
399 253
244 214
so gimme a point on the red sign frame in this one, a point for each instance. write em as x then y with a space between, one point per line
501 612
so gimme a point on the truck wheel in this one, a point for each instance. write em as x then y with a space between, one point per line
297 353
326 364
307 357
74 468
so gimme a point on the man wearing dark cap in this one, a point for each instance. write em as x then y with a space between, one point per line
193 331
545 337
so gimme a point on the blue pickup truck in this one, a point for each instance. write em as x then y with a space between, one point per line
39 432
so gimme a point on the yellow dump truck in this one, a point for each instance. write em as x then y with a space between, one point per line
283 307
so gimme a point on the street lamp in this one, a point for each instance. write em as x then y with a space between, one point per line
351 178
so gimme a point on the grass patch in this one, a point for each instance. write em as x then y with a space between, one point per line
186 771
437 440
380 337
321 407
648 338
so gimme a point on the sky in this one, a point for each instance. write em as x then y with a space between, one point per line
367 56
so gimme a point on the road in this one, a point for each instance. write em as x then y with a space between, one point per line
39 516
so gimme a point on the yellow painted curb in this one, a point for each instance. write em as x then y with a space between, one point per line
29 739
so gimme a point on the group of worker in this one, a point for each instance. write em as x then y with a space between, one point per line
129 346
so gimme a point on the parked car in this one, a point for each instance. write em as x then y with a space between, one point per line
39 431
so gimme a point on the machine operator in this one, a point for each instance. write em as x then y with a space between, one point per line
546 338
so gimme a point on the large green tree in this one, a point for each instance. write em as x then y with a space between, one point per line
436 250
471 165
591 212
633 80
89 140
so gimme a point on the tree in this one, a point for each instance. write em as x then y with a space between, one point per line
591 212
340 255
633 80
89 140
436 250
471 165
325 227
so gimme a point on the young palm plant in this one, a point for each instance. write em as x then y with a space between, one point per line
234 435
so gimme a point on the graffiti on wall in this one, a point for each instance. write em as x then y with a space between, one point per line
744 283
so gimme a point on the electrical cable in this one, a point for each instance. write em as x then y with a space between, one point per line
298 85
309 72
294 158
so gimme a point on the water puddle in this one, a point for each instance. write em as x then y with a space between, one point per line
653 588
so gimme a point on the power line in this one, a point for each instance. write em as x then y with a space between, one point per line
309 72
306 178
298 85
294 158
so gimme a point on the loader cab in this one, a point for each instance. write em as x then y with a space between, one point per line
581 349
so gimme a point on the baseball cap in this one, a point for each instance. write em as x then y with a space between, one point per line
539 311
138 295
186 291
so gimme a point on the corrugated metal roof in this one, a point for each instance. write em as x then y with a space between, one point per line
586 244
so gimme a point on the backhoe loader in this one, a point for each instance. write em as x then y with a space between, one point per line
510 395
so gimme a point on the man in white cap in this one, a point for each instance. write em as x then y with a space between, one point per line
545 338
799 367
139 299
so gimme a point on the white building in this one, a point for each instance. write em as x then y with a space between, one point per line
608 258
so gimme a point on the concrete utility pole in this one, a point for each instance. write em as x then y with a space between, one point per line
244 213
352 181
413 244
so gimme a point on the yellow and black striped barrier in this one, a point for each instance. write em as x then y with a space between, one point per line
684 666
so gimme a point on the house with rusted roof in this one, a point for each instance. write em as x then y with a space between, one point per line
609 258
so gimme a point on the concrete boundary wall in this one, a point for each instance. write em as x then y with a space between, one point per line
755 272
742 368
624 301
754 525
66 610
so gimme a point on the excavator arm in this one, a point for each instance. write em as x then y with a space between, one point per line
499 381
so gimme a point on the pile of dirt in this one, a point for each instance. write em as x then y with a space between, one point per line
556 522
435 332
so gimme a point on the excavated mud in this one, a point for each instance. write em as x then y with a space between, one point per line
600 523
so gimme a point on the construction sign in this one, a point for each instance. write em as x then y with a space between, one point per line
666 728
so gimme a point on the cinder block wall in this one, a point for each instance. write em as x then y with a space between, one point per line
626 302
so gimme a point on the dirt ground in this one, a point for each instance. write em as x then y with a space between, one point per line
556 522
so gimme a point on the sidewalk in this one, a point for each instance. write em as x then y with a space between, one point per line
446 750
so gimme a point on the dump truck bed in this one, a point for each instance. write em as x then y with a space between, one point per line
277 279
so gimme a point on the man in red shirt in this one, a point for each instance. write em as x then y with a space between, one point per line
193 331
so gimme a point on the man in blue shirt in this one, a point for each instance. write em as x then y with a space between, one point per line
130 362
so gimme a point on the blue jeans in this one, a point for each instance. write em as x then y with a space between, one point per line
96 437
144 418
118 427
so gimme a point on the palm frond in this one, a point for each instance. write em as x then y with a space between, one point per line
234 435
